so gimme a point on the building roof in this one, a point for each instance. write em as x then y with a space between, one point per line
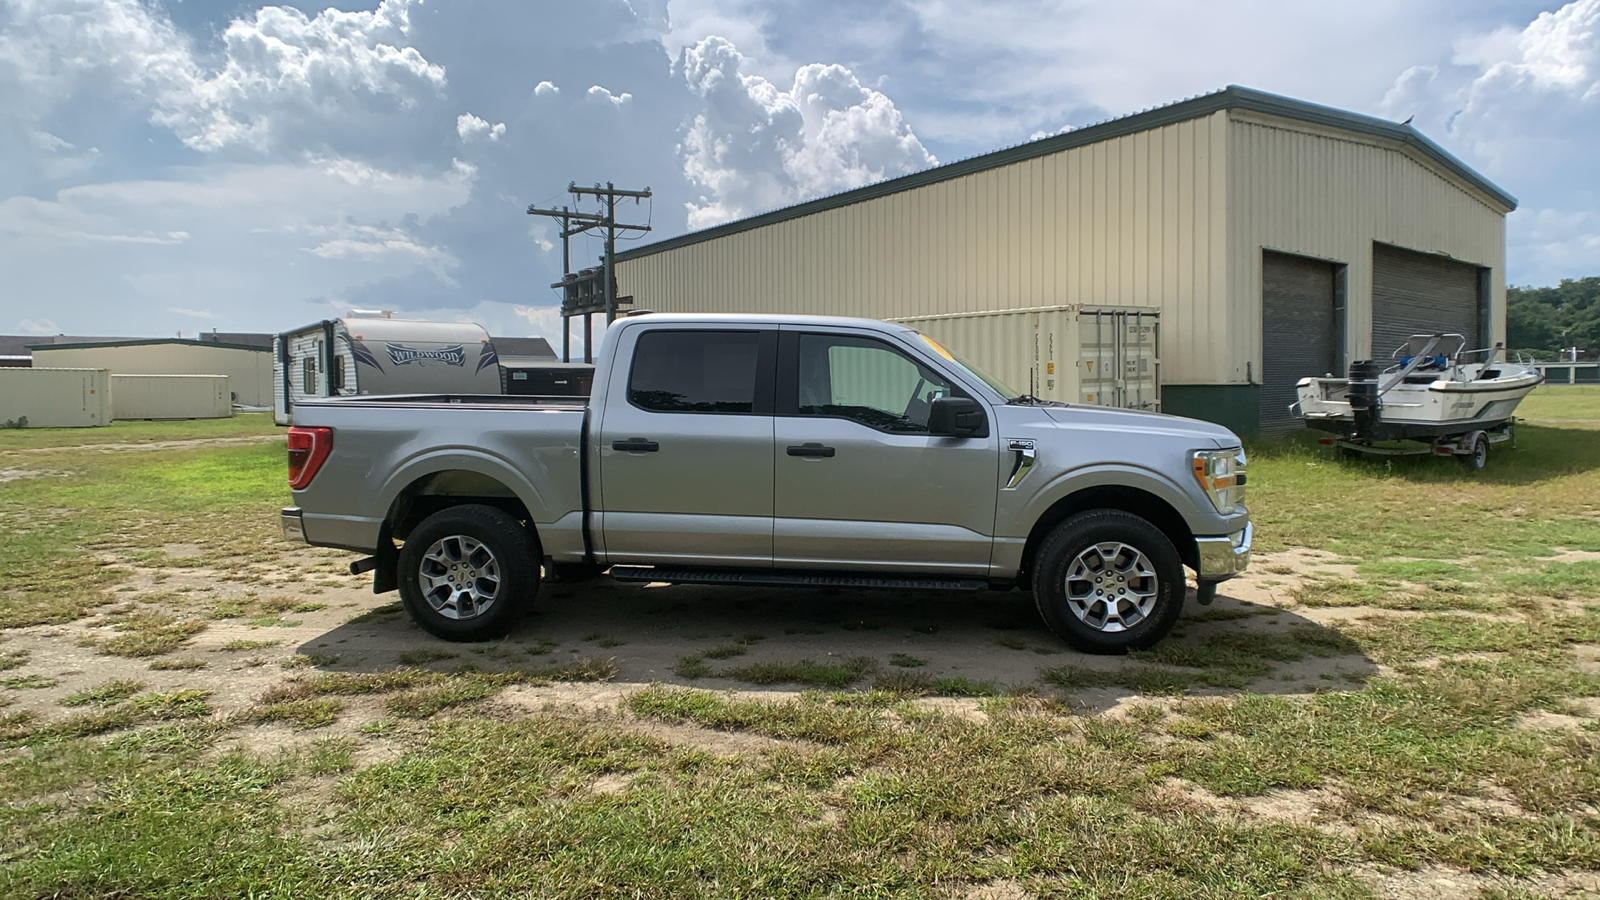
1231 97
523 348
245 338
86 343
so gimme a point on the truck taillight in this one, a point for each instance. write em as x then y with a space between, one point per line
308 449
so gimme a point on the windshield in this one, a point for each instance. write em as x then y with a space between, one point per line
994 383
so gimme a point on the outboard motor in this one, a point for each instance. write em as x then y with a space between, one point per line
1363 394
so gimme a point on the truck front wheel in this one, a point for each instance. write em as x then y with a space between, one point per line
1107 581
465 571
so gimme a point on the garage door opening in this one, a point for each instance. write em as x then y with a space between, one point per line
1302 330
1418 293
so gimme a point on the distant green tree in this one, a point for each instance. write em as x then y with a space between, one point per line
1551 318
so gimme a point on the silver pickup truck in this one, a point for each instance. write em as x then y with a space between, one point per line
768 450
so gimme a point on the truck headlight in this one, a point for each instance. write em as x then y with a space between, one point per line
1221 475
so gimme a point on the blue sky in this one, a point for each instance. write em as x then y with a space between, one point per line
182 165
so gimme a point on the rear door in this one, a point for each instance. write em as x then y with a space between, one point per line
859 482
686 447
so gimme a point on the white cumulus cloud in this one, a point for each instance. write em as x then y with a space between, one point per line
471 128
545 89
757 146
280 72
599 93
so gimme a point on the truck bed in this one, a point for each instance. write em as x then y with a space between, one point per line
436 445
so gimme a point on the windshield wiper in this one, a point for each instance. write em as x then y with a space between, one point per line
1031 400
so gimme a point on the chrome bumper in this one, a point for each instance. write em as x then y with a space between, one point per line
1224 557
294 527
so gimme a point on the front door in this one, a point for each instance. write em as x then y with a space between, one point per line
859 483
686 448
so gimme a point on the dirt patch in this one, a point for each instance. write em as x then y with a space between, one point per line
15 474
997 890
1549 721
1434 882
124 446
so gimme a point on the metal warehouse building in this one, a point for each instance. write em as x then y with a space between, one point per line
248 366
1200 257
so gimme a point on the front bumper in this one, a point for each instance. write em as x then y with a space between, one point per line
294 526
1224 557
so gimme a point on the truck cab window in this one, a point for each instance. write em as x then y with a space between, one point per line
694 371
866 381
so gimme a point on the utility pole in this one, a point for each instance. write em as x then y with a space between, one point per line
574 302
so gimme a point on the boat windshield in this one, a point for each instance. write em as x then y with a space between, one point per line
994 383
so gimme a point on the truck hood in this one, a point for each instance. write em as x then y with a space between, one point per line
1130 421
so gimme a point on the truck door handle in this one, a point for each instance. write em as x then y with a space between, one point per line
810 450
636 445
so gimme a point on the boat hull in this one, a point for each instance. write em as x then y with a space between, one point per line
1429 411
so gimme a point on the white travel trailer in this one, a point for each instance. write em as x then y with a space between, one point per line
379 355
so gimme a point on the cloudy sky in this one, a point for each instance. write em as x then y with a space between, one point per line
180 165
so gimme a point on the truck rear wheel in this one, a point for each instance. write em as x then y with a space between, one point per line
1107 581
466 571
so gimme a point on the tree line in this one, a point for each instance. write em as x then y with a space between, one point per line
1549 319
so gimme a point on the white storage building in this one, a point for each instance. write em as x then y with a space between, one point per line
1211 252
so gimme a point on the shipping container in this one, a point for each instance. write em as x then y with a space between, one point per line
171 397
356 355
55 398
1100 355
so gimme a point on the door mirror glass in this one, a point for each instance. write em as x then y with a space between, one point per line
957 417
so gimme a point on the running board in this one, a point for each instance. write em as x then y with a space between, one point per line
769 578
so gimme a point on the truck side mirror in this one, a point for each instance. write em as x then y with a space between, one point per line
957 417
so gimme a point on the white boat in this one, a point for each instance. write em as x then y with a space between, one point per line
1431 391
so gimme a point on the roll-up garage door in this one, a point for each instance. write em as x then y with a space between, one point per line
1414 293
1298 334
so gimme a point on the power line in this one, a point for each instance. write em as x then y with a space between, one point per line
577 289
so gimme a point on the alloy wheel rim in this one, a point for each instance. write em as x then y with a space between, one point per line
1111 586
459 577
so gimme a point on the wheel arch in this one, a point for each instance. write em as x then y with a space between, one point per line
1126 498
420 490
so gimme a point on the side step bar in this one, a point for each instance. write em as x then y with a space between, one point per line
775 578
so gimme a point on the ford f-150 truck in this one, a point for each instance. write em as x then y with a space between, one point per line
774 450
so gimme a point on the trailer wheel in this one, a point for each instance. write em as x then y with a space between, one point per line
465 572
1108 582
1478 457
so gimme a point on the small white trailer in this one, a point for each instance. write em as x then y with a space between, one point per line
379 355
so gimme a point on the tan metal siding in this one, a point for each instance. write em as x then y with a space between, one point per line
1136 220
171 397
1330 195
55 398
249 371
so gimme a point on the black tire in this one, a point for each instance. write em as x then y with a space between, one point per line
1080 539
1478 456
493 550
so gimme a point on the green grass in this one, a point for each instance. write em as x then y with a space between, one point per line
1453 722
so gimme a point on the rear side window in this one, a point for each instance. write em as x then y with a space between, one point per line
695 371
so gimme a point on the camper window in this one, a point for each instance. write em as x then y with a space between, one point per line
336 377
308 375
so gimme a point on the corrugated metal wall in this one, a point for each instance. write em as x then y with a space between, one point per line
249 371
171 397
1137 220
55 398
1330 195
